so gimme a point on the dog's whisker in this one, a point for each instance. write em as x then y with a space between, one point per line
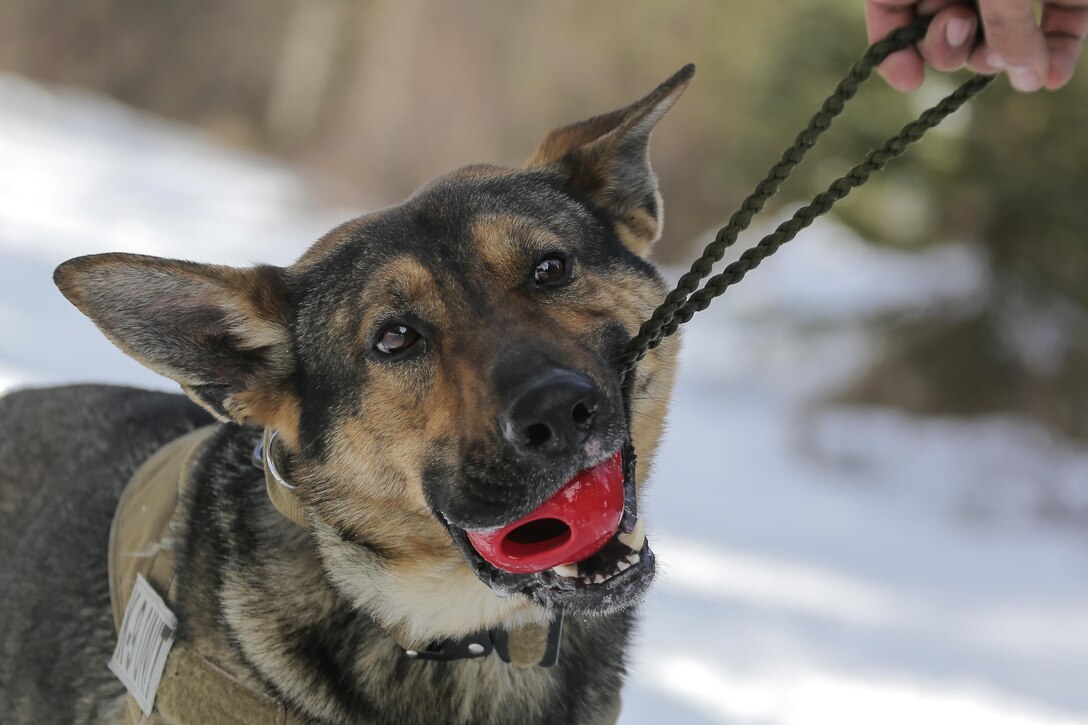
648 416
651 398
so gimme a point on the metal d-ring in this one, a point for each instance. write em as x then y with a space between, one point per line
270 460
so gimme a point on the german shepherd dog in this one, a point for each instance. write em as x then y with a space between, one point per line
433 370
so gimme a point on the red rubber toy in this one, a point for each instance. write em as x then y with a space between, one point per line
572 525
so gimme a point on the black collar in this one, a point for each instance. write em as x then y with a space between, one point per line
483 642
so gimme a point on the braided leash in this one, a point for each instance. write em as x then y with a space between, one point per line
687 298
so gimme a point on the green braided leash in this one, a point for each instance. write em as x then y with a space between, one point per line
687 298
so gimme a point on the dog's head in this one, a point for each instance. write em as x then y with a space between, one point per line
440 369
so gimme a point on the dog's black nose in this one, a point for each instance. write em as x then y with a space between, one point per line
553 413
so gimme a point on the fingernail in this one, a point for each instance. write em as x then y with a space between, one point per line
995 61
957 30
1025 80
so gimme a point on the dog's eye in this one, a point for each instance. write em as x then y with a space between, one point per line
396 338
551 271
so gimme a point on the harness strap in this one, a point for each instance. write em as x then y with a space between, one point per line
195 690
141 539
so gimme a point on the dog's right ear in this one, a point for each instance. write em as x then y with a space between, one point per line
222 333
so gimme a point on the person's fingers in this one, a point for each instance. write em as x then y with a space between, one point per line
884 16
1064 51
951 37
1035 56
982 60
1065 26
903 70
1016 42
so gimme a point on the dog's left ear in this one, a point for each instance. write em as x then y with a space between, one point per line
222 333
606 159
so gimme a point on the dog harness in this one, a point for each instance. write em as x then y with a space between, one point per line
193 689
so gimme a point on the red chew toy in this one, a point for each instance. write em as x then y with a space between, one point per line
572 525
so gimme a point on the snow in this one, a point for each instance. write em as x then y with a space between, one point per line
819 564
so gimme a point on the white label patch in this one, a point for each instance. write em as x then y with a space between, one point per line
147 634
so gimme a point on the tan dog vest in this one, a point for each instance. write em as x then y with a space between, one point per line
193 689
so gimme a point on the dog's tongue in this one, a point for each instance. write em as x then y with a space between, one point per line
572 525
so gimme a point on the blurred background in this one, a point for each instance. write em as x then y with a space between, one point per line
891 526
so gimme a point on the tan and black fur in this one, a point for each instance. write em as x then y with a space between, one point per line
394 455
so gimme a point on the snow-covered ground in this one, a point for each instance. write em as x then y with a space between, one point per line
819 565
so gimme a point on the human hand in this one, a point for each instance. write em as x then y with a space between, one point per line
1034 54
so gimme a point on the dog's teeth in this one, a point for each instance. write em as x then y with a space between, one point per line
636 538
567 570
633 558
623 566
599 578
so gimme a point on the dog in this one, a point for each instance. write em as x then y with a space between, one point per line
432 372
